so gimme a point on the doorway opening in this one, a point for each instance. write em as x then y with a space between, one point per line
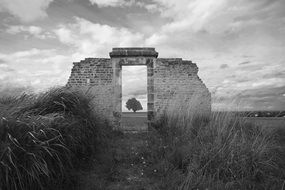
134 98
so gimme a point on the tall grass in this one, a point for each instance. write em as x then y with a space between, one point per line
192 150
44 137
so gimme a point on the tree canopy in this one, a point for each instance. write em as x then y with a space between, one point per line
133 104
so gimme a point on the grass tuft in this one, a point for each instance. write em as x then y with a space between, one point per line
44 138
217 151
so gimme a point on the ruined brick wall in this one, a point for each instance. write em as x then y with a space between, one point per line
166 78
173 77
95 75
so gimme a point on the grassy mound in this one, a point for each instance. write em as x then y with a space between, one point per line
45 137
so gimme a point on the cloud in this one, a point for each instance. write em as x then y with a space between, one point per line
2 61
106 3
202 26
275 74
122 3
36 68
232 89
10 82
14 90
134 84
35 30
245 63
194 14
250 67
270 98
27 10
95 40
134 80
31 30
223 66
5 69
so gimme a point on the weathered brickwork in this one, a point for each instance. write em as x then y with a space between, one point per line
165 79
174 76
95 75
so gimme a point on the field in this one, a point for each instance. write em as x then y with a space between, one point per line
56 140
268 122
134 114
138 121
134 121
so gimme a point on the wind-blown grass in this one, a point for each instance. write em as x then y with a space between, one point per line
191 150
44 137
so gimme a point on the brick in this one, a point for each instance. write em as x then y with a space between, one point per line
166 78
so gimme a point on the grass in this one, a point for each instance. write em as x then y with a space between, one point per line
191 150
56 140
46 138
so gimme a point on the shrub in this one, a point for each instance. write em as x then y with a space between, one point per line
44 137
31 155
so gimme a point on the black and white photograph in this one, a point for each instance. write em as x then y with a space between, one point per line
142 94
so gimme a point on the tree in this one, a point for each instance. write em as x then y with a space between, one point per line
133 104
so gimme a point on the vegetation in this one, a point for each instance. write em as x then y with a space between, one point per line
222 151
264 113
133 104
55 140
46 139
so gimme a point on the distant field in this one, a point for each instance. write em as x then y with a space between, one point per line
132 114
134 121
138 121
267 122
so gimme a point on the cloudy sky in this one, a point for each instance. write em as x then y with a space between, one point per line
238 45
134 84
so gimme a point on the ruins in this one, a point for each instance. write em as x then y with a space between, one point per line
165 78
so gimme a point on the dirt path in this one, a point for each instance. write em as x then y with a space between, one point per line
131 171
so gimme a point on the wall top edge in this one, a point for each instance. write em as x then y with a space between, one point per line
133 52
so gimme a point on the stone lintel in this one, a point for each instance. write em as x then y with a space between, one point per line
170 59
133 52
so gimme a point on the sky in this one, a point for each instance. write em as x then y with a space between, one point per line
238 45
134 85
